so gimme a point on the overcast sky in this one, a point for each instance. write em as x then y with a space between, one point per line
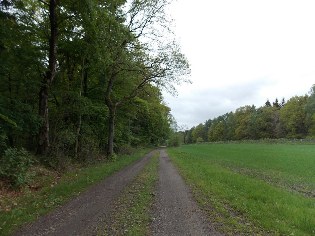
242 52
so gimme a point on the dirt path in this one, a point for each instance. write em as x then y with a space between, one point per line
83 215
175 212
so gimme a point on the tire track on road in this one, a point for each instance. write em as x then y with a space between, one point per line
175 212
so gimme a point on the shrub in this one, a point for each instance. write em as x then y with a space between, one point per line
14 165
125 149
3 143
89 149
174 141
200 140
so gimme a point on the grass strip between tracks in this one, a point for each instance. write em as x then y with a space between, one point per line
131 215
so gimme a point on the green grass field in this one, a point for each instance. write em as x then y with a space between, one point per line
253 188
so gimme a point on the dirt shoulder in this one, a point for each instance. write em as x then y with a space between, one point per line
84 214
175 212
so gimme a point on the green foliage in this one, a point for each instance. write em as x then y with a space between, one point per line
199 140
312 126
126 149
64 143
199 132
217 131
310 112
3 143
7 121
174 141
293 117
14 164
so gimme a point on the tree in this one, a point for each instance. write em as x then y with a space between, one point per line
282 102
243 117
293 117
276 103
136 65
19 68
188 136
267 122
217 131
310 112
198 132
268 104
107 57
48 78
230 126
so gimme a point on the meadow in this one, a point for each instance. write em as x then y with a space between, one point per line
247 188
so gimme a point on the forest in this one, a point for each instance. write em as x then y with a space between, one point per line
80 79
292 119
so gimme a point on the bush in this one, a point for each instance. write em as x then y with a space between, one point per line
199 140
14 165
174 141
89 149
3 143
125 149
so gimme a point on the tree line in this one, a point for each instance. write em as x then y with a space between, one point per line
292 119
79 78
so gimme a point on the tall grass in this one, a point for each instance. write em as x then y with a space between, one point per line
270 187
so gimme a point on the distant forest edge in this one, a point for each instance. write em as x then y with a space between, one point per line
294 119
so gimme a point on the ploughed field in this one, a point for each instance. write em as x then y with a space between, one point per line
252 188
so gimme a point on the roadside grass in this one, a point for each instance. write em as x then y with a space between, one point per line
251 188
29 206
131 215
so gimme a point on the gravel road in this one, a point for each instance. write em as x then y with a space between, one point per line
84 214
175 212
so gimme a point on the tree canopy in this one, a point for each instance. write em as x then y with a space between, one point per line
294 119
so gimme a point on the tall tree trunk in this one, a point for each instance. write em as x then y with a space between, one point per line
10 88
85 81
111 129
77 140
43 137
10 136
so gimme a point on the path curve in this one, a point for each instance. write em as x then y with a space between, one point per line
175 211
84 214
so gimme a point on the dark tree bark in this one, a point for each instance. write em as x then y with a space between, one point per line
85 83
43 137
78 132
112 106
111 130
